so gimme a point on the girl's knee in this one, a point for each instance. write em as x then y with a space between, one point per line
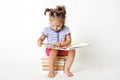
72 51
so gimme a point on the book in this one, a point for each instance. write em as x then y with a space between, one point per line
66 48
56 63
57 68
58 58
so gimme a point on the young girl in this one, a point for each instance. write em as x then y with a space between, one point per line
59 35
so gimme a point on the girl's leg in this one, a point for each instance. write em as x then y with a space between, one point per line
52 58
69 61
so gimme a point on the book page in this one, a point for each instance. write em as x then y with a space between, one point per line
70 47
77 45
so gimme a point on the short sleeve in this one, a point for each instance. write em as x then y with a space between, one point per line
67 31
45 31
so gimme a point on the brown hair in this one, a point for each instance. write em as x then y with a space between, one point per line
58 12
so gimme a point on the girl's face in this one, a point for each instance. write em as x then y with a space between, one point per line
56 23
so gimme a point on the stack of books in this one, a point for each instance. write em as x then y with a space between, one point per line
59 64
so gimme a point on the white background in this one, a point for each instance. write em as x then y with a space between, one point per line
96 22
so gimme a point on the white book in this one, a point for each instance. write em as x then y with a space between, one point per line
66 48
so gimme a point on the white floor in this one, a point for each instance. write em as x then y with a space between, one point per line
24 71
27 67
87 74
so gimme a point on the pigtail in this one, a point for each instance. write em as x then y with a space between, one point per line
61 11
52 12
47 10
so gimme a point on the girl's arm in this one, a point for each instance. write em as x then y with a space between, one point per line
41 39
67 41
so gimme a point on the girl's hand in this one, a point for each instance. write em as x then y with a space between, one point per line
40 40
39 43
57 44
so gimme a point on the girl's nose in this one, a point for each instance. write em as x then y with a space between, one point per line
55 28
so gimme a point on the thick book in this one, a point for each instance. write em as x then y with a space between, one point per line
66 48
56 63
58 58
57 67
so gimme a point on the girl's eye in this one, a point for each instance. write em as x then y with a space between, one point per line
52 25
58 26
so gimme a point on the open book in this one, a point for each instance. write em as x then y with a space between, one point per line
70 47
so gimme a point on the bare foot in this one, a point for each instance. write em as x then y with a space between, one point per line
51 74
68 73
